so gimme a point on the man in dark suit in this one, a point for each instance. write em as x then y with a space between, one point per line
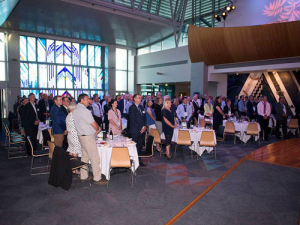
281 118
251 108
138 123
44 108
122 105
31 123
65 104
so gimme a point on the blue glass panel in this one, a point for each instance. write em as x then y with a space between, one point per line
106 57
91 55
75 52
23 48
61 83
24 74
50 51
93 79
33 82
24 92
77 77
67 52
85 78
31 47
69 77
106 79
99 73
59 52
83 55
41 45
42 68
51 76
98 56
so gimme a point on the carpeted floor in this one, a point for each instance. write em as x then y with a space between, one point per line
155 198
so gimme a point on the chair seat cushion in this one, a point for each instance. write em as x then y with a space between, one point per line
41 153
17 140
75 163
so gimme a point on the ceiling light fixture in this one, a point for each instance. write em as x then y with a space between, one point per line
218 17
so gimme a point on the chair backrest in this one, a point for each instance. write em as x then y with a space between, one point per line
154 133
229 127
252 129
46 137
120 157
50 133
51 149
149 146
293 124
202 123
220 132
15 124
30 144
207 139
184 137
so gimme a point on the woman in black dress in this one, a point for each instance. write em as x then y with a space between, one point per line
218 114
168 125
228 109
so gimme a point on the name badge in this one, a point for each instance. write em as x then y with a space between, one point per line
253 108
37 109
118 122
47 108
185 114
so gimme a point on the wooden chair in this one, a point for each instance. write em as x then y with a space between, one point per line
120 159
230 130
293 125
202 123
16 143
252 130
184 139
149 150
208 140
12 134
157 140
37 154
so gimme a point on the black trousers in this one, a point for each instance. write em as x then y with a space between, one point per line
98 121
264 126
138 139
282 123
32 132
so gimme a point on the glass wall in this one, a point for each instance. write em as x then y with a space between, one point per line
61 67
2 57
124 70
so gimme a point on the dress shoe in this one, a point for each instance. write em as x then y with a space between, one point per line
101 182
278 137
142 164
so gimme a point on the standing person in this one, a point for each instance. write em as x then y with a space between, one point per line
129 103
281 118
31 123
157 110
90 107
87 128
264 111
241 106
208 109
44 107
168 125
235 103
197 105
228 109
58 121
150 115
122 105
251 108
115 118
138 123
21 115
106 108
16 105
74 146
184 111
218 114
65 104
97 111
102 100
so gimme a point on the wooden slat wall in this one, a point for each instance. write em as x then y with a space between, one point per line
241 44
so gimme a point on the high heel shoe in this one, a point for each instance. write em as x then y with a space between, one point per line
168 156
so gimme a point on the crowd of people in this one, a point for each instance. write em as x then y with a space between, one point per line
75 124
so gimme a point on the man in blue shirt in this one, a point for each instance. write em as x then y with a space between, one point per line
242 107
58 121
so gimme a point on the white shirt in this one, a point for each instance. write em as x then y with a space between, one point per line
97 109
198 102
261 108
102 107
181 113
33 106
129 103
125 103
223 105
83 119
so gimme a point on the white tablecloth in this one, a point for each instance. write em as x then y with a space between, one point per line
40 133
195 135
242 127
105 155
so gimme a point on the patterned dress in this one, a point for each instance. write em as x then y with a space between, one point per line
73 141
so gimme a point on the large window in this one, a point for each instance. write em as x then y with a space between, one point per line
121 69
59 67
2 57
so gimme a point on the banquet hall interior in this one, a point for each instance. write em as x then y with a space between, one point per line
245 171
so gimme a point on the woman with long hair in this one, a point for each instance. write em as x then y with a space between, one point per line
218 114
115 119
168 125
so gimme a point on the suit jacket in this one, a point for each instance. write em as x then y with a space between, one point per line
65 111
22 113
43 109
136 119
58 120
196 108
279 111
30 115
226 109
121 106
250 110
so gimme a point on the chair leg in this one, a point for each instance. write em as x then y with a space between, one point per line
175 151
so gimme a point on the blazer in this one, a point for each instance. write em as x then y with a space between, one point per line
137 119
22 114
121 106
58 120
250 105
65 111
43 109
279 111
196 107
30 115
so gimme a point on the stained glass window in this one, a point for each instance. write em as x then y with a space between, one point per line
41 45
59 52
83 55
75 52
24 75
23 48
106 79
50 51
77 77
99 74
93 78
91 55
69 77
51 76
31 48
33 82
85 78
60 77
42 71
106 57
67 52
98 56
